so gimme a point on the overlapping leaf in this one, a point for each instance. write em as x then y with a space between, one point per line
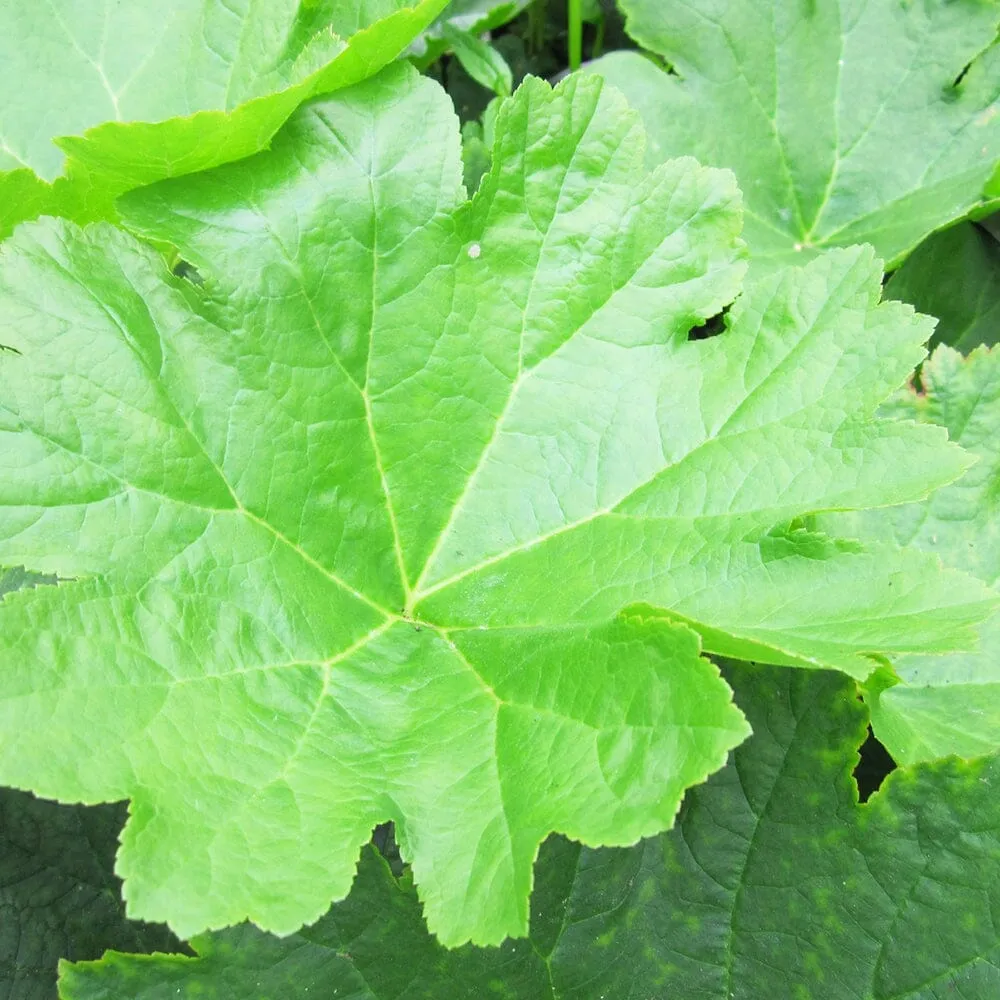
955 276
774 883
351 521
845 121
946 704
103 97
59 898
471 16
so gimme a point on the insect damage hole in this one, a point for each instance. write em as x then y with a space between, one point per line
874 766
186 270
712 326
953 91
961 76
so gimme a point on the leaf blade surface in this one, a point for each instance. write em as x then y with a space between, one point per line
295 609
844 122
131 95
948 704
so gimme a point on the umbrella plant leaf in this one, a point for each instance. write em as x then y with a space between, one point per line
933 706
372 521
103 97
844 121
774 882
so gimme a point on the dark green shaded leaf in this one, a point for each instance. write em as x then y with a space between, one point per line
59 897
955 276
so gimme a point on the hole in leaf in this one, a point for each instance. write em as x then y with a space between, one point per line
7 349
873 768
187 271
952 91
712 326
961 76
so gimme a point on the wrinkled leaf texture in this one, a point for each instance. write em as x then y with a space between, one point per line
931 706
845 121
420 510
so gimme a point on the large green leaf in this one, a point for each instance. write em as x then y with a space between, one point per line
774 883
948 704
955 276
102 97
351 521
845 121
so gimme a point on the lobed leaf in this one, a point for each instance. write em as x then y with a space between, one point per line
844 121
929 707
59 897
374 521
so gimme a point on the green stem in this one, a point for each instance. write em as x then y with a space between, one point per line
575 33
598 47
536 26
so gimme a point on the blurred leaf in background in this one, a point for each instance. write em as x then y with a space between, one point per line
480 60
